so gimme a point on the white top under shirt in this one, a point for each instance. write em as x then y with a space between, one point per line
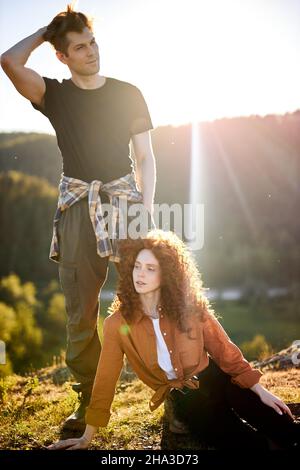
163 354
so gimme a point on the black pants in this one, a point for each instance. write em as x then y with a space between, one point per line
226 416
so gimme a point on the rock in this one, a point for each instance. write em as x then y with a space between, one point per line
284 359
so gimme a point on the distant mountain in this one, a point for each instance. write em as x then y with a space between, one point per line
31 153
237 151
249 186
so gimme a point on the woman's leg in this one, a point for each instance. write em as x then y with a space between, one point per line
226 430
208 415
280 428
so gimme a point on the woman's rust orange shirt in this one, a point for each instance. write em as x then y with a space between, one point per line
188 353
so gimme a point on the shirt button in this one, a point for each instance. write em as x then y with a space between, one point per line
165 334
161 316
176 369
170 351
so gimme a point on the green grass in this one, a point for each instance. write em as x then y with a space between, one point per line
32 408
32 420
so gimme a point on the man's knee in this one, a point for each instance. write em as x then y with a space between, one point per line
70 288
80 339
81 298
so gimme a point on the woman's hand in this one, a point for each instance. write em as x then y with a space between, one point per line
271 400
71 444
278 405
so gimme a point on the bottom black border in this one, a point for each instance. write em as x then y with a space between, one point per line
135 459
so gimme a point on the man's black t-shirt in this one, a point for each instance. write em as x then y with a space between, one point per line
94 127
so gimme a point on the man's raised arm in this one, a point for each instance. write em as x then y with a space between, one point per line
28 82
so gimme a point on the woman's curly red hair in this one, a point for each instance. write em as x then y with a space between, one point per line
181 284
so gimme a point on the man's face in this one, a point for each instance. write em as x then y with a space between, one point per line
83 53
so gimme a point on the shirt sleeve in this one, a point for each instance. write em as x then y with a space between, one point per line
227 355
108 371
140 116
49 97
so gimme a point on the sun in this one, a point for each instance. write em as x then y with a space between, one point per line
208 59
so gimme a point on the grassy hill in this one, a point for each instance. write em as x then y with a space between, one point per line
32 409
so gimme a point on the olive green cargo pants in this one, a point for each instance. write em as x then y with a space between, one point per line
82 274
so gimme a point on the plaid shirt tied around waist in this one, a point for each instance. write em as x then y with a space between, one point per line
72 190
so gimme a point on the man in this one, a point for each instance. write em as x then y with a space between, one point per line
94 117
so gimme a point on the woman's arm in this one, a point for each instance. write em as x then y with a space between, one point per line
271 400
227 354
229 357
108 371
80 443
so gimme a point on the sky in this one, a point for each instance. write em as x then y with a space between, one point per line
193 60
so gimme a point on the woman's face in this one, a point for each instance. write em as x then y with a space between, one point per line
146 272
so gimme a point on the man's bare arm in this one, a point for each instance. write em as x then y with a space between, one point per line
28 82
145 167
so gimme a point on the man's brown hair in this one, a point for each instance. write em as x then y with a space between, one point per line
63 23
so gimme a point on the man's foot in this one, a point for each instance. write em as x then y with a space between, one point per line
76 421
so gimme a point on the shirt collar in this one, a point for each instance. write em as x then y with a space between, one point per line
140 315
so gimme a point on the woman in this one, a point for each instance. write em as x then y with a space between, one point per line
162 321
